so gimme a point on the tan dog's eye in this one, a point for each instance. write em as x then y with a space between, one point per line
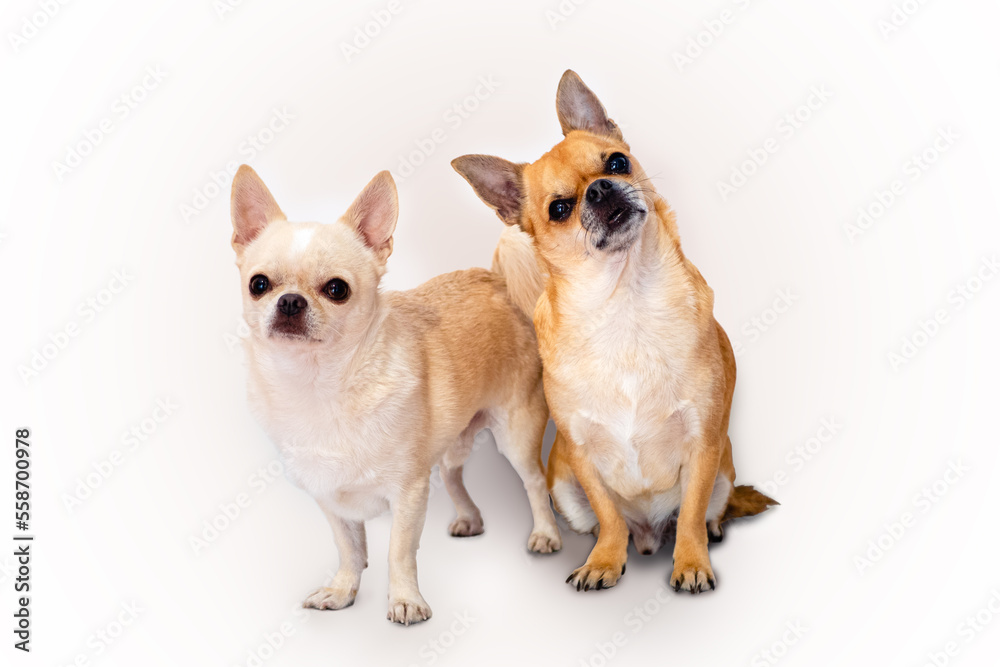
337 290
560 209
618 164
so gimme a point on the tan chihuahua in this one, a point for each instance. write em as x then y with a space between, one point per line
638 374
365 391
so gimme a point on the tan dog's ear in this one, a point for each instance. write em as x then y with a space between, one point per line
252 207
579 108
496 181
374 213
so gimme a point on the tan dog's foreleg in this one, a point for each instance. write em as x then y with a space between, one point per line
692 569
409 509
606 563
352 548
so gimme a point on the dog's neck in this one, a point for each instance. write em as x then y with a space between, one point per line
654 259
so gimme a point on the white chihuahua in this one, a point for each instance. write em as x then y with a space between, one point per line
365 391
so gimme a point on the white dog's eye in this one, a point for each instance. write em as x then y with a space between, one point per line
259 284
337 290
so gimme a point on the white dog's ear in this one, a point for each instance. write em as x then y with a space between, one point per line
252 207
579 108
496 181
374 213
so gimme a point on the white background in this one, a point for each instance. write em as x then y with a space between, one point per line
169 334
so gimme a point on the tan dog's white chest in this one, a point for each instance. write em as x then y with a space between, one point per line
623 387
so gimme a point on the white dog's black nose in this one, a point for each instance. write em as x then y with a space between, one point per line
291 305
598 190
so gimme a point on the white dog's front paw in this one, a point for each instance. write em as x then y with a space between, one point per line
331 598
408 610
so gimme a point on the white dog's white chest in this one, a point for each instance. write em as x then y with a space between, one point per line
341 469
339 460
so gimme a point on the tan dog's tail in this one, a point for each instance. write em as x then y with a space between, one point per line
515 260
746 501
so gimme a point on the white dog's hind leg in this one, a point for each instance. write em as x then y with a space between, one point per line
469 521
519 436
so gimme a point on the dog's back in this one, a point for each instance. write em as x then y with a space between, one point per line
477 344
515 259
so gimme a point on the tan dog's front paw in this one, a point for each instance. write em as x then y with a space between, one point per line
693 577
330 598
408 610
596 575
544 542
466 526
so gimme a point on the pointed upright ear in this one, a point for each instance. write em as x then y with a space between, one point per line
252 207
579 108
373 214
496 181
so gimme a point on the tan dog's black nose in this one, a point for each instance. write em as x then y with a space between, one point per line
598 190
291 305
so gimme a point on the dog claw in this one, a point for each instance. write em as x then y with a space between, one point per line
330 598
693 579
407 611
594 577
